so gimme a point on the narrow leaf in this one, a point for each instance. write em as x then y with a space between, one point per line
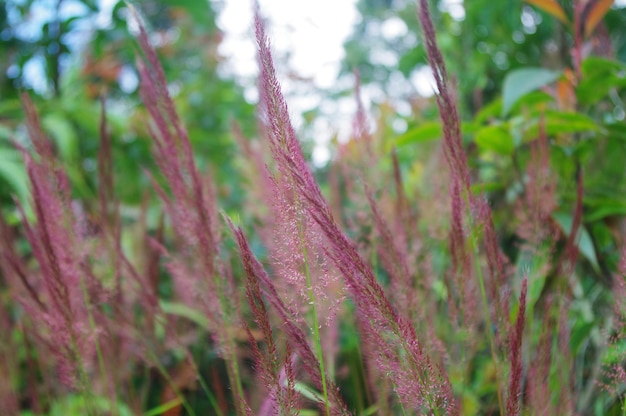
551 7
309 392
163 408
598 10
184 311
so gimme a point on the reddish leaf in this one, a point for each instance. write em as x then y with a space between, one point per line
598 10
551 7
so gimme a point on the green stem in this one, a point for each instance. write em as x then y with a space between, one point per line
210 396
85 384
406 348
483 293
316 328
92 324
231 358
171 383
236 375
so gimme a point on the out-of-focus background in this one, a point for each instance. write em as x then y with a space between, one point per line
67 53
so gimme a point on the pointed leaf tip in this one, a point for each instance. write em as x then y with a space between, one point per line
597 13
552 8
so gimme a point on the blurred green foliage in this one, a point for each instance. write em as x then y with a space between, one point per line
517 80
84 53
481 41
513 67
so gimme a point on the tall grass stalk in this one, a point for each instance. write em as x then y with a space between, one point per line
485 300
230 355
210 396
192 210
111 392
84 380
457 163
157 363
317 340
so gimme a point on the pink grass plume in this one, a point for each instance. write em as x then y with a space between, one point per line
420 384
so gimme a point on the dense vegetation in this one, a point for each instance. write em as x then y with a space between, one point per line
180 256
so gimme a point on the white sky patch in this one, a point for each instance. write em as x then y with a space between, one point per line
104 17
308 31
423 80
307 42
73 8
392 28
454 7
34 71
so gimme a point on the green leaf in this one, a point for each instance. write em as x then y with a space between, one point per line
561 122
606 211
616 131
184 311
471 403
532 265
308 392
595 65
495 138
5 133
13 172
370 410
440 290
489 111
199 10
583 239
425 132
10 108
520 82
430 131
163 407
78 181
75 405
600 76
615 353
482 187
535 101
63 134
411 60
557 122
599 208
580 333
